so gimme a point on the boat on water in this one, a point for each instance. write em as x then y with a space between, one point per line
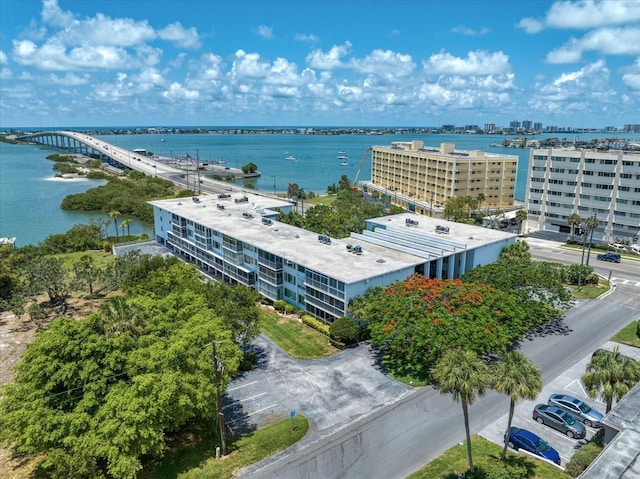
495 145
8 241
289 157
343 158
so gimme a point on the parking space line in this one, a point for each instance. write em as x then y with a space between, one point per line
253 413
241 386
579 383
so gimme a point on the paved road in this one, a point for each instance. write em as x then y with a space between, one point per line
400 438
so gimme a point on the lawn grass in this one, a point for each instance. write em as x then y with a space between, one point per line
197 461
325 200
590 291
628 335
100 258
294 338
454 462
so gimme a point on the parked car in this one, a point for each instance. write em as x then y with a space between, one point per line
523 439
619 247
558 419
578 409
613 257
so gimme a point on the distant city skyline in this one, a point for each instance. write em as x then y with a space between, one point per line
566 64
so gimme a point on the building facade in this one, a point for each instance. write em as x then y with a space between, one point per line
418 178
590 183
236 238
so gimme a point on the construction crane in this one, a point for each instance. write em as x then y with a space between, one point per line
364 157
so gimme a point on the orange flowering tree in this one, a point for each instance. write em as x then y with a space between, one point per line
415 321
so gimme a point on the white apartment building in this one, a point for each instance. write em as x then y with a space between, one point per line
601 183
417 178
236 238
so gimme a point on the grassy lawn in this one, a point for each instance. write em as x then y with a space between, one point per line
294 338
454 462
197 460
100 258
325 200
590 291
628 335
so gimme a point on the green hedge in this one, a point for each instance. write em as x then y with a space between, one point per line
316 324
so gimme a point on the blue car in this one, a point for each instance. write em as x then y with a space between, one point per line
523 439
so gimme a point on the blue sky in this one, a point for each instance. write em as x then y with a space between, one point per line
319 63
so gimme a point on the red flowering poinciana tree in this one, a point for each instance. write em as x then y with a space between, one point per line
417 320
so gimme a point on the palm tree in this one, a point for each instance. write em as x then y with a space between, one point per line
121 316
126 224
592 223
464 375
574 220
610 375
114 214
517 377
521 216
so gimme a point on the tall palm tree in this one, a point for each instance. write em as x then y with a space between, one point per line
592 223
517 377
114 214
574 220
464 375
610 375
521 216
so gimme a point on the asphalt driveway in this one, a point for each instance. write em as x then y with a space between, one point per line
330 392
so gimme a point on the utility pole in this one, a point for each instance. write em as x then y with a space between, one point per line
220 413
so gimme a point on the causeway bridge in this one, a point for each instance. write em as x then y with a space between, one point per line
79 143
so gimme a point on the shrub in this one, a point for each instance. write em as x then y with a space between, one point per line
585 455
247 362
512 468
315 324
344 330
578 273
280 305
290 308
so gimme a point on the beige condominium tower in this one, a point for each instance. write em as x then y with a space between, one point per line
422 179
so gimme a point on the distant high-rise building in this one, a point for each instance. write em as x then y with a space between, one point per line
414 176
537 126
635 128
587 182
526 125
514 125
448 127
489 127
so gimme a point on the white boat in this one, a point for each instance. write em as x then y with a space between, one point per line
8 241
343 158
289 157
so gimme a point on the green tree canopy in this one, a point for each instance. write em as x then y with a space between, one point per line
94 402
417 320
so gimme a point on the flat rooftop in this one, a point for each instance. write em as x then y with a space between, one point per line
244 222
459 236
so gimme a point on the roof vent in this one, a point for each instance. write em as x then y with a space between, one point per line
380 260
324 239
442 230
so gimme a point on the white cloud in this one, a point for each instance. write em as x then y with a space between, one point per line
606 41
184 38
329 60
5 73
470 31
265 32
53 15
631 76
584 15
249 66
3 58
306 38
385 64
69 79
177 92
476 63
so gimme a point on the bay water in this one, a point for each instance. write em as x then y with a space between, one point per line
30 196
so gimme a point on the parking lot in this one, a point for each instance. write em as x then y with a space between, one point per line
567 383
330 392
